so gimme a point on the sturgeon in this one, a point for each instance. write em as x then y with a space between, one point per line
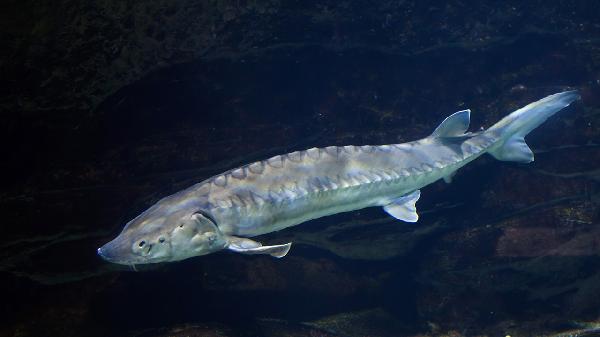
225 211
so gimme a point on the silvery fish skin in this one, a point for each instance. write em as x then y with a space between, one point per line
223 212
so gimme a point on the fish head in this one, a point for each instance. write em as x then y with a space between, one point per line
171 230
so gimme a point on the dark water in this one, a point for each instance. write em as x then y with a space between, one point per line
110 106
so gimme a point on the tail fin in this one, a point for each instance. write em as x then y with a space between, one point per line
513 128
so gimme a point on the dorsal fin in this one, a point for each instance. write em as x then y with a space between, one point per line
454 125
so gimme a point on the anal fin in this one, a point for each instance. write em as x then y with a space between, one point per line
404 207
247 246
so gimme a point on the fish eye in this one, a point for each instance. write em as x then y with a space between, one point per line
142 243
181 226
161 240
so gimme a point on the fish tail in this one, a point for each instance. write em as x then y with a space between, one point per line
513 128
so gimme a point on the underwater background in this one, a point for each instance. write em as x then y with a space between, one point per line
108 106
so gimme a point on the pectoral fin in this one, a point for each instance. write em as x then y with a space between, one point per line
404 207
247 246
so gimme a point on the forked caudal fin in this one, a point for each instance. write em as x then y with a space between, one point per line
513 128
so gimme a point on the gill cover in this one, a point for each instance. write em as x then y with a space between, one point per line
194 236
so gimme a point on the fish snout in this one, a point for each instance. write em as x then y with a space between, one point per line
113 251
102 253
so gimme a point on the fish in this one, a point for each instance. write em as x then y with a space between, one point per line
225 211
581 329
